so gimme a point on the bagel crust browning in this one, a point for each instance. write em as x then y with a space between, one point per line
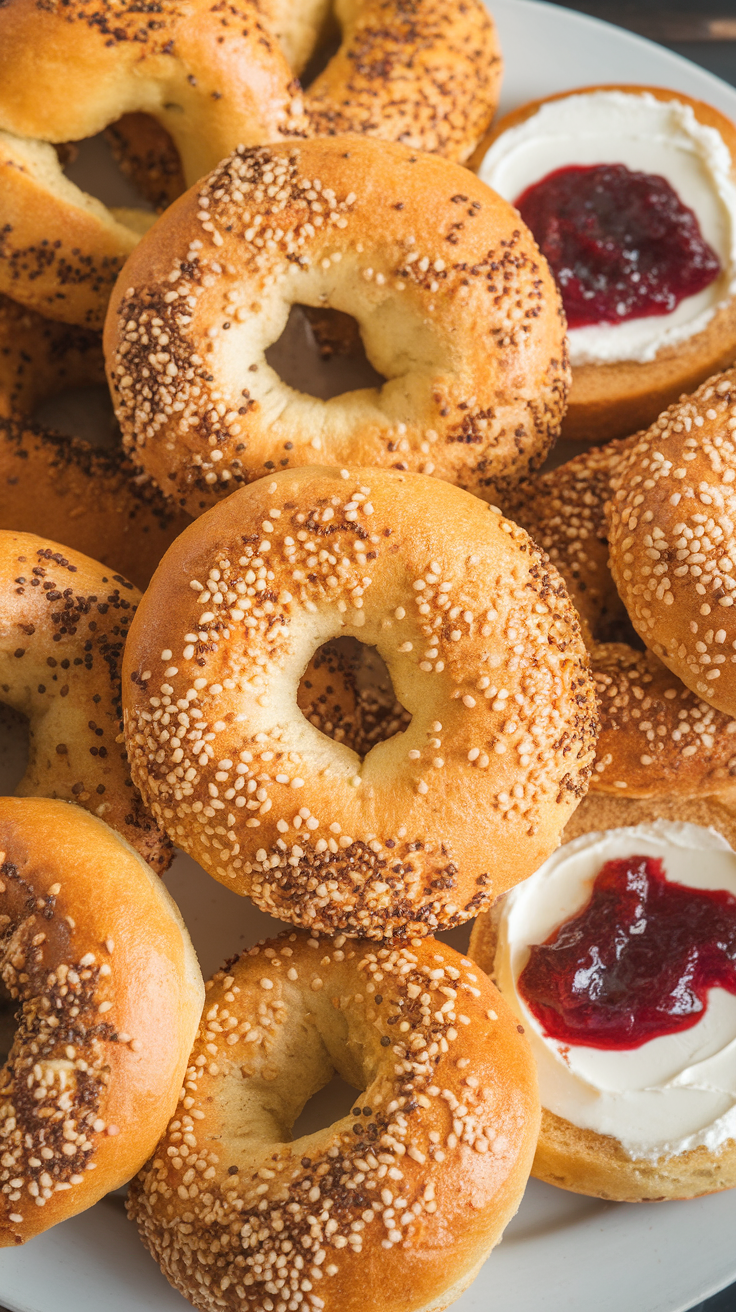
97 958
60 249
39 358
63 623
484 650
582 1160
673 539
613 400
456 308
89 499
414 1187
209 94
93 501
657 738
425 73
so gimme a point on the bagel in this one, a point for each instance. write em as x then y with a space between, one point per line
414 1188
95 953
63 624
91 500
399 842
674 486
39 358
574 1156
412 246
615 398
657 738
427 74
62 249
421 74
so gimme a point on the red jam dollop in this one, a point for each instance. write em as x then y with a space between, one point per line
621 245
636 962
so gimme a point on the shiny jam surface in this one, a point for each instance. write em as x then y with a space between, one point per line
636 962
621 245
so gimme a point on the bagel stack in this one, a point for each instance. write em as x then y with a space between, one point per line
288 546
362 845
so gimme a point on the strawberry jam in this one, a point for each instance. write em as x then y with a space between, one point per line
621 245
636 962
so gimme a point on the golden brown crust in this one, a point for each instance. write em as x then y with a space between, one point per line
582 1160
96 954
40 357
564 511
274 809
425 73
178 70
672 539
148 157
656 736
455 306
418 1182
63 623
93 501
60 250
613 400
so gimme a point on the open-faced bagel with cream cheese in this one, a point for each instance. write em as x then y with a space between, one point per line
631 193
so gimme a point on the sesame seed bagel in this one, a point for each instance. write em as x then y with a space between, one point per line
581 1159
412 1190
673 541
657 738
63 623
62 249
564 511
425 73
613 400
98 959
455 306
93 501
484 651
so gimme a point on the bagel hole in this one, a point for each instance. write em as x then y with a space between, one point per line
85 412
328 1105
320 353
617 627
91 164
14 748
346 692
8 1022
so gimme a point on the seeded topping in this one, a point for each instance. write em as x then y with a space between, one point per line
64 623
278 1224
673 555
494 677
426 74
656 736
317 223
53 1086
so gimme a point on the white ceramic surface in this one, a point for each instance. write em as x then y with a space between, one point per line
562 1253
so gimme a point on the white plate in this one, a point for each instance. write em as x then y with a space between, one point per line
562 1253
